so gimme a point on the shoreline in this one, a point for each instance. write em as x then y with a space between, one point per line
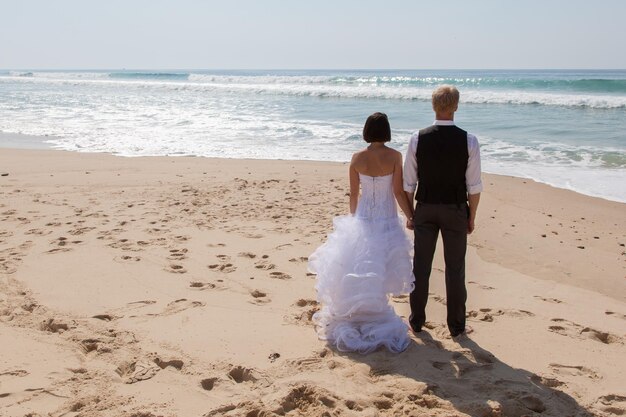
22 141
166 286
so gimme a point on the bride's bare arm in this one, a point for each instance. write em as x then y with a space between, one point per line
354 188
398 189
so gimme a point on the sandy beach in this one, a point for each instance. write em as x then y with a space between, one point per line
159 286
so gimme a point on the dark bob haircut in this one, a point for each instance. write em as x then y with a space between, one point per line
377 128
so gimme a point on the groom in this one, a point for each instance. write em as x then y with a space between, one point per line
444 162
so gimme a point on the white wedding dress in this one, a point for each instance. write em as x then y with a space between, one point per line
365 259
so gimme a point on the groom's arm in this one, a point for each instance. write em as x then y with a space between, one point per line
410 173
473 180
473 200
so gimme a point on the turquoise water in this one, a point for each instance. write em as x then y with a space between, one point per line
565 128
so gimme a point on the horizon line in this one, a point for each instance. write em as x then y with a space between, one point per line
306 69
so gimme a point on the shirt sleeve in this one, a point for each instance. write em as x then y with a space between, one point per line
410 165
472 174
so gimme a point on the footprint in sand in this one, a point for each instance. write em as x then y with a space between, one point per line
181 238
8 265
309 363
546 381
614 314
480 357
301 399
259 297
574 370
306 302
52 326
17 372
241 374
461 367
201 285
144 302
173 363
481 286
264 264
223 267
175 269
127 259
30 307
576 331
300 259
37 232
80 230
279 275
612 404
484 314
125 245
132 372
284 245
108 234
400 299
208 383
123 337
518 313
105 317
304 317
180 305
177 254
258 294
487 314
134 305
63 245
549 300
253 235
90 345
156 231
532 403
439 299
437 333
58 250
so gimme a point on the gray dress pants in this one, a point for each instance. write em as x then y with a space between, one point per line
451 220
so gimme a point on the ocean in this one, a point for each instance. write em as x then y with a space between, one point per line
566 128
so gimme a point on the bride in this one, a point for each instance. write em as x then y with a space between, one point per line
366 257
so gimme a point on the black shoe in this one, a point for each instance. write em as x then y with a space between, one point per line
467 330
415 328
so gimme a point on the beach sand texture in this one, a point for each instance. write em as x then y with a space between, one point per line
178 287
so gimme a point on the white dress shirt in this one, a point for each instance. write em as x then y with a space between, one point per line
472 174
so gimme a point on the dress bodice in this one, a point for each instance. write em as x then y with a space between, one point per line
377 200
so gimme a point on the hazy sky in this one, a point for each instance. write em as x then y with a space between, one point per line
400 34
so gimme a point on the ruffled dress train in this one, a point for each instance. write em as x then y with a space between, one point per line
364 260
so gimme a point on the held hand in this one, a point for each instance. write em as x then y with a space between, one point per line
409 224
470 226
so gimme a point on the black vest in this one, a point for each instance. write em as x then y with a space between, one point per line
441 164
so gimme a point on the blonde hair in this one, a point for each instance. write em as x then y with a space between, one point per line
445 99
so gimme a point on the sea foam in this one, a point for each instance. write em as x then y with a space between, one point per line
566 129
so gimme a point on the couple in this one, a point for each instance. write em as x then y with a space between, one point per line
367 256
